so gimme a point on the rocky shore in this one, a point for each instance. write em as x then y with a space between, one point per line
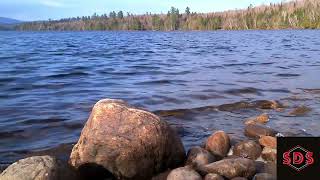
123 142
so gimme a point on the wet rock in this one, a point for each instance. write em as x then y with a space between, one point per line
264 176
184 173
212 176
269 167
126 141
38 167
230 168
269 154
218 144
268 141
266 104
261 119
239 178
198 156
247 149
256 131
300 111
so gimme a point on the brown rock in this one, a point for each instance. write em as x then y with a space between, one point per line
126 141
239 178
261 119
269 154
256 131
218 144
268 141
266 104
230 168
300 111
198 156
247 149
161 176
184 173
212 176
39 168
264 176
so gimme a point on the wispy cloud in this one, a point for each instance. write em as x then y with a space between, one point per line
52 3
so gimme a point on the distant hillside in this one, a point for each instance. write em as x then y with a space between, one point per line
299 14
8 23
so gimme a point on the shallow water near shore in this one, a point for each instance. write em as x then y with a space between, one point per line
49 82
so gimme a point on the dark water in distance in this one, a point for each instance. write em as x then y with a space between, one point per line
49 82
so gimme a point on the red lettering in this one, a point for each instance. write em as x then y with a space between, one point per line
286 158
298 158
309 158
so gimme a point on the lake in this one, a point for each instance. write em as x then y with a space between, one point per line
49 81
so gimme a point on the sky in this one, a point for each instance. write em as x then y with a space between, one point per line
30 10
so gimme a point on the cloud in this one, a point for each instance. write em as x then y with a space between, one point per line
52 3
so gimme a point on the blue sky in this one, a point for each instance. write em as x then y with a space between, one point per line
56 9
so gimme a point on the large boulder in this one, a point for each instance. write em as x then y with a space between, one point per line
231 168
128 142
257 131
39 168
247 149
184 173
218 144
268 141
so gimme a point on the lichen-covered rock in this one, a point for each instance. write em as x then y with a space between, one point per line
257 131
269 154
218 144
212 176
268 141
247 149
184 173
230 168
126 141
264 176
38 168
198 156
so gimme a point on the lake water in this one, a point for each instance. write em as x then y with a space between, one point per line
49 82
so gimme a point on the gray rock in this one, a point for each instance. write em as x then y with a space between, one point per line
198 156
38 168
239 178
268 167
184 173
230 168
128 142
247 149
264 176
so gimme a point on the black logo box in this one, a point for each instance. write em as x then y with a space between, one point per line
310 172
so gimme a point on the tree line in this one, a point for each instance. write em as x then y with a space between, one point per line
299 14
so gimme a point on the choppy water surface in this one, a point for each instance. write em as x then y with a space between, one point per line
49 82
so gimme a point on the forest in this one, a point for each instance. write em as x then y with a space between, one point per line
298 14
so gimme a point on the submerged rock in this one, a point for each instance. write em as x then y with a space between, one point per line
39 168
268 141
266 104
212 176
218 144
247 149
256 131
269 154
230 168
184 173
126 141
261 119
300 111
198 156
